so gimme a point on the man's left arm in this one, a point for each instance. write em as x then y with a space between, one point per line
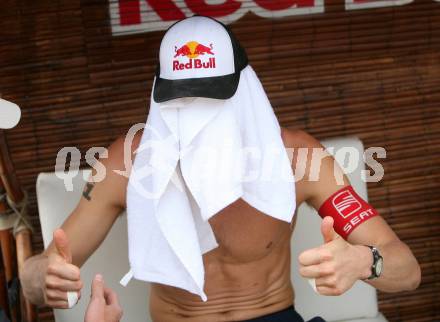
401 271
338 263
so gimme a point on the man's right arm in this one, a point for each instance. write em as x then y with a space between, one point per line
48 277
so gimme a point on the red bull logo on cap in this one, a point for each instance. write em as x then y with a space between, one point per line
192 50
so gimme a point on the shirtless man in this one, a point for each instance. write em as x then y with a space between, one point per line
248 275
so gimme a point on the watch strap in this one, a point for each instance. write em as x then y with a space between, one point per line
376 257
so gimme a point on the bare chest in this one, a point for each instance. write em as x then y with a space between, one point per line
244 234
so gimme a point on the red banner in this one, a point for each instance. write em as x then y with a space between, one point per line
133 16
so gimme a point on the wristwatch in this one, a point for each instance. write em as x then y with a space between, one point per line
376 268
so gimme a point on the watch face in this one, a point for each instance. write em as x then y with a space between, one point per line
379 266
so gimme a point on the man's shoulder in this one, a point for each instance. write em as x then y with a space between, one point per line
123 145
117 164
293 138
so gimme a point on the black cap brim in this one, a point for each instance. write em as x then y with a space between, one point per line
219 87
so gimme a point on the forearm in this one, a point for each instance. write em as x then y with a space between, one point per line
31 279
401 271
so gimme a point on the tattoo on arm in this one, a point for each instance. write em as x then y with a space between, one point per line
88 190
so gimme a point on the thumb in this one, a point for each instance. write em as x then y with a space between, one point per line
327 231
62 244
98 287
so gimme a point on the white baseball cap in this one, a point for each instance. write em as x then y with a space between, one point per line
10 114
199 57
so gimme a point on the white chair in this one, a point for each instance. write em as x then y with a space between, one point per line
55 204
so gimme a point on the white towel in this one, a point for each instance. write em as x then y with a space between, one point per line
197 156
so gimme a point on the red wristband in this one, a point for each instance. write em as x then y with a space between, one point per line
348 210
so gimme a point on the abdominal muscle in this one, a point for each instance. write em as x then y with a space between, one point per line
247 276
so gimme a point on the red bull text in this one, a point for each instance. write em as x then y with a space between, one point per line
194 63
126 15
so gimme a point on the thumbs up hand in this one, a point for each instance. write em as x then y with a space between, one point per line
336 265
61 275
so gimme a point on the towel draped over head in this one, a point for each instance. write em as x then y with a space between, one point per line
197 156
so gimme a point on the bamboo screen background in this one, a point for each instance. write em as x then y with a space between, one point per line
373 73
